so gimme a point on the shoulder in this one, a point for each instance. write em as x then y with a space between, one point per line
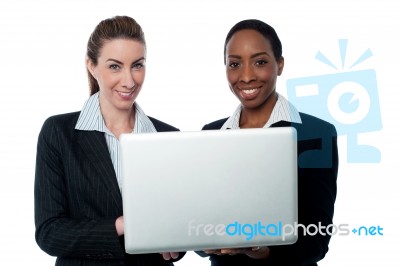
58 127
162 126
67 120
67 117
215 125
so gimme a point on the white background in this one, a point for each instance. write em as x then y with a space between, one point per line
42 73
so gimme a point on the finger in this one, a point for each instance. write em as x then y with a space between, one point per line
258 252
234 251
226 250
211 251
174 255
166 255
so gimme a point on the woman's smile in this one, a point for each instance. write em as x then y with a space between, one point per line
249 93
126 95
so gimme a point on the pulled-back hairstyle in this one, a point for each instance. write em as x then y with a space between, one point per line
263 28
118 27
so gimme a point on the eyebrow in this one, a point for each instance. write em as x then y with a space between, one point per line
252 56
119 62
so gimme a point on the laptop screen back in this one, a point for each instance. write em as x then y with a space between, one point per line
209 189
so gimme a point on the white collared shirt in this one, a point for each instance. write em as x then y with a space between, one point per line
283 111
91 119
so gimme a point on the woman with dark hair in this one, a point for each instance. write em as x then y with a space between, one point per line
78 202
253 59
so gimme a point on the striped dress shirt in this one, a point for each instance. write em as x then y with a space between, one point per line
91 119
283 111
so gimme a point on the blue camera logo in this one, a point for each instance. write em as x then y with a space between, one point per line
349 100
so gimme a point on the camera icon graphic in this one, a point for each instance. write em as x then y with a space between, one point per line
349 100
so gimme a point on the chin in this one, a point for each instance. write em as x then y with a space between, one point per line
126 106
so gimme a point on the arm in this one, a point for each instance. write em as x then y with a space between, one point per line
65 226
317 194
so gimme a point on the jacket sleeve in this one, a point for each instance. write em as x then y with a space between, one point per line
317 175
56 232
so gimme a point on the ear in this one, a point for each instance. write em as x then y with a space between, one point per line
281 64
90 67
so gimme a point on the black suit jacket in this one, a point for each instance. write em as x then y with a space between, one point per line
317 174
77 198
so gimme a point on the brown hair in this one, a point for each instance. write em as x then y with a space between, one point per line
118 27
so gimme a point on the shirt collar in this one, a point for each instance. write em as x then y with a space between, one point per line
142 122
283 111
91 119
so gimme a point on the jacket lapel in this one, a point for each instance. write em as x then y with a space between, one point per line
94 147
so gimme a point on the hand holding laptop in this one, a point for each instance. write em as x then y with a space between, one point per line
170 255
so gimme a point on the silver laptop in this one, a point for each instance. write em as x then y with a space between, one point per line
209 189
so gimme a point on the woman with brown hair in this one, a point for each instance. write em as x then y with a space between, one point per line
78 202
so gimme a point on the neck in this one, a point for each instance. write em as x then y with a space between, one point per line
258 117
118 121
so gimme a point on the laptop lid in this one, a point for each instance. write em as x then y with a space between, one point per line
209 189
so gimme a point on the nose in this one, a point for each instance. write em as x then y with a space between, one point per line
247 74
128 79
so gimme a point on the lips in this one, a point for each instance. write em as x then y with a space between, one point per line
249 93
126 95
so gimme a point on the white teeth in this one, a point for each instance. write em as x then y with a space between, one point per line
125 93
249 91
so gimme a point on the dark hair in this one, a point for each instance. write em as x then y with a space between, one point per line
118 27
263 28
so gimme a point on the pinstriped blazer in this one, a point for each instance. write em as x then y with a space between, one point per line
318 164
77 198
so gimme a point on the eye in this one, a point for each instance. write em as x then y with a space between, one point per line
261 62
233 65
114 67
138 65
